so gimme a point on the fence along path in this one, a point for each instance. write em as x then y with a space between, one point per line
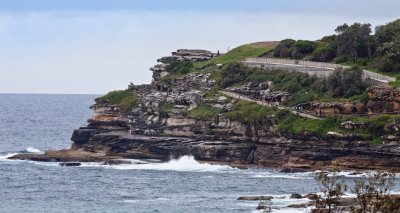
329 67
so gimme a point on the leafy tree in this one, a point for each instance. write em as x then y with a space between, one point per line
387 33
388 41
392 49
354 40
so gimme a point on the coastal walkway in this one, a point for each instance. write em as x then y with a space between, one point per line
311 67
263 103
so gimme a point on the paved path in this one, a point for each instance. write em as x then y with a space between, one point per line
311 67
263 103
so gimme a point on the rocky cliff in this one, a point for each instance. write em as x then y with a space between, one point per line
184 115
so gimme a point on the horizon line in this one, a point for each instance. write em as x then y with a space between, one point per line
18 93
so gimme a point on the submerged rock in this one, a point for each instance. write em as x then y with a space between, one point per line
296 196
253 198
116 162
311 196
300 206
70 164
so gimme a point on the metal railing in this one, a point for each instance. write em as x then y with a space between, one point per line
279 61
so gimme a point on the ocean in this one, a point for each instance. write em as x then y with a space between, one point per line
34 123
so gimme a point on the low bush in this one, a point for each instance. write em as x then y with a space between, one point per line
347 83
233 73
125 99
179 67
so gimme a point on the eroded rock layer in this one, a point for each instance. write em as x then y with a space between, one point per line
161 127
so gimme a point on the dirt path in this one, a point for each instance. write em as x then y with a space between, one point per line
263 103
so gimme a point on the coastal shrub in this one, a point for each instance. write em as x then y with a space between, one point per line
340 59
347 83
388 66
304 46
179 67
233 73
324 54
303 96
282 49
300 48
258 76
125 99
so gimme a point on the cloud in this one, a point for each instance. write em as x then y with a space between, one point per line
98 51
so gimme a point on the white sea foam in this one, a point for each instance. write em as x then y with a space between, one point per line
280 175
185 163
355 174
7 155
32 150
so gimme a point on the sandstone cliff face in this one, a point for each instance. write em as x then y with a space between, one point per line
163 138
381 99
162 126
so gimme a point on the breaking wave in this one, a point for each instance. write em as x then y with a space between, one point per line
185 164
32 150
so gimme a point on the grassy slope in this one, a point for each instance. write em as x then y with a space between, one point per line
240 53
125 99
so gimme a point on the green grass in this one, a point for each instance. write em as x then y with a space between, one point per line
212 94
297 125
203 111
363 98
125 99
214 71
166 79
373 131
236 54
251 113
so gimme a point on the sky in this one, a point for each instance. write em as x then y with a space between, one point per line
95 46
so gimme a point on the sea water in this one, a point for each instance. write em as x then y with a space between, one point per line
33 123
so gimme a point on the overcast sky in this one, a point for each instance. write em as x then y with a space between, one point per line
94 46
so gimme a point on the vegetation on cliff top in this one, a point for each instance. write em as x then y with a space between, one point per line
351 45
125 99
303 87
372 130
237 54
